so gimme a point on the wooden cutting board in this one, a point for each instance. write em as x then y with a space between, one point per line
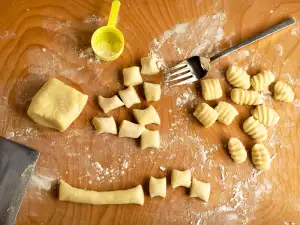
51 38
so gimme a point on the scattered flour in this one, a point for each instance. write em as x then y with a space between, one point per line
42 182
279 49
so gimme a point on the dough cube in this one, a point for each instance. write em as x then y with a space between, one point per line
132 76
129 97
150 139
200 190
146 116
158 187
108 104
211 89
105 125
149 66
181 178
152 91
56 105
131 130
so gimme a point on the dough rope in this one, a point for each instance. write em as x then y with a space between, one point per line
245 97
238 77
265 115
255 129
237 150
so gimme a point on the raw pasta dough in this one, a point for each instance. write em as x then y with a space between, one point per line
200 190
206 114
261 157
158 187
108 104
131 130
146 116
105 125
283 92
245 97
237 150
150 139
149 66
262 80
226 112
129 196
152 91
56 105
238 77
255 129
129 97
211 89
265 115
181 178
132 76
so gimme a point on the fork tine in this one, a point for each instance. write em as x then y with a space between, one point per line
183 70
187 81
179 65
182 76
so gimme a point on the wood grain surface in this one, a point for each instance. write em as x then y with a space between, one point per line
40 39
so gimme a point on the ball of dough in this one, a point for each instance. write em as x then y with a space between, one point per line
132 76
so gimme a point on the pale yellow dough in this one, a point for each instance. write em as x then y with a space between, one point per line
226 112
129 96
181 178
105 125
108 104
131 130
130 196
261 157
146 116
56 105
211 89
132 76
200 190
152 91
237 150
149 66
206 114
158 187
283 92
150 139
238 77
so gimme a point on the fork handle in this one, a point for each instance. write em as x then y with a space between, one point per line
257 37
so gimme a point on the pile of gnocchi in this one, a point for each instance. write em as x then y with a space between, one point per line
129 97
255 125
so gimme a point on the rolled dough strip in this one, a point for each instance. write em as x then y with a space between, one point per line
130 196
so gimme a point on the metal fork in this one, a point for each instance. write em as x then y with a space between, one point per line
196 67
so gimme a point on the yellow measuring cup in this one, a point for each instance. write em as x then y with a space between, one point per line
108 41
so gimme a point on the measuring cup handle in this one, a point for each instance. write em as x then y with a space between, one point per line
114 11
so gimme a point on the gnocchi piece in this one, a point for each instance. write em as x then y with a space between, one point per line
262 80
255 129
245 97
226 112
146 116
205 114
131 130
237 150
211 89
265 115
181 178
261 157
108 104
129 97
158 187
283 92
200 190
152 91
149 66
150 139
238 77
132 76
105 125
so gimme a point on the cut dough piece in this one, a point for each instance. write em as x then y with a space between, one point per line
261 157
56 105
206 114
129 97
200 190
245 97
108 104
149 66
237 150
262 80
226 112
181 178
152 91
130 196
131 130
283 92
132 76
238 77
158 187
211 89
146 116
255 129
150 139
105 125
265 115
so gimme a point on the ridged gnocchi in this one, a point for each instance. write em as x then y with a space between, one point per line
237 150
255 129
226 112
262 80
283 92
261 157
238 77
211 89
245 97
265 115
206 114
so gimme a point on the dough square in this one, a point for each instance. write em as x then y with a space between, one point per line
108 104
181 178
149 66
150 139
129 97
152 91
105 125
158 187
146 116
132 76
200 190
56 105
131 130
